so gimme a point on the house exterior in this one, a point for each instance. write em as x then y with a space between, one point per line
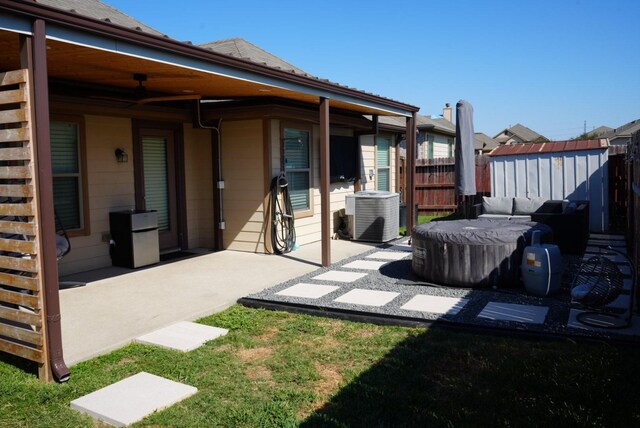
483 144
621 136
101 113
518 134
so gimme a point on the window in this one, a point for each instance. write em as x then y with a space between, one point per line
66 138
383 163
297 165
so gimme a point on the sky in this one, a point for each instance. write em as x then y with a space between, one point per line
551 65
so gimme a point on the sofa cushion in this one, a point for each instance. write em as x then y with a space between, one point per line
497 205
525 206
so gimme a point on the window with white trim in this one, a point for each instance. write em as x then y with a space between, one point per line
67 173
297 165
383 163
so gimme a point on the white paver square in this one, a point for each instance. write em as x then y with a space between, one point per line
363 297
310 291
133 398
182 336
498 311
621 302
435 304
634 330
365 264
387 255
626 284
340 276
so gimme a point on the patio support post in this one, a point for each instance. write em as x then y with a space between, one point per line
47 228
324 182
410 137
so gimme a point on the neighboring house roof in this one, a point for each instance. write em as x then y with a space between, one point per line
624 131
241 48
423 123
550 147
102 11
520 131
600 131
484 142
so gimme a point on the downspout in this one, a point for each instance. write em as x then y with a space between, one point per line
48 231
218 180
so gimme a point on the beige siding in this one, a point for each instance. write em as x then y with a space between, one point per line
243 172
368 161
110 188
199 187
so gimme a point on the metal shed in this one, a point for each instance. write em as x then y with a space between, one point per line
573 170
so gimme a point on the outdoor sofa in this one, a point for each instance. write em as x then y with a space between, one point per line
569 220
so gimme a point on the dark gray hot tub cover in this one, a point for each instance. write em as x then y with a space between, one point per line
479 231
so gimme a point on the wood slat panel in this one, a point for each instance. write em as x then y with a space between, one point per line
22 334
19 281
15 172
13 77
21 299
16 210
17 227
20 316
17 246
18 263
16 190
15 153
22 351
13 116
14 135
13 96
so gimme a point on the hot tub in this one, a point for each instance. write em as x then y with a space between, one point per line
473 253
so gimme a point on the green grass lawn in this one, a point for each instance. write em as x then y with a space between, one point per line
427 218
276 369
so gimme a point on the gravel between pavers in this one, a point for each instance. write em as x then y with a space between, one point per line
397 276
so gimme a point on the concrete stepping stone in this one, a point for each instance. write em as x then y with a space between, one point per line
340 276
388 255
309 291
598 250
365 264
621 302
530 314
363 297
132 399
435 304
182 336
604 236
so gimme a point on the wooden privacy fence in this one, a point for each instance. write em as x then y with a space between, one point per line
22 313
633 213
436 179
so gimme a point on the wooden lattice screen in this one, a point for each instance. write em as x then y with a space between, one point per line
22 313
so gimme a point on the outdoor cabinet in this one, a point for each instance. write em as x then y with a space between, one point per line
134 238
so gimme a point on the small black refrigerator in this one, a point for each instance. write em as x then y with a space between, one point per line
134 238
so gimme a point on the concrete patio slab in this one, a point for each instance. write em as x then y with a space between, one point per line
309 291
340 276
132 399
118 304
498 311
365 265
367 297
387 255
435 304
183 336
401 247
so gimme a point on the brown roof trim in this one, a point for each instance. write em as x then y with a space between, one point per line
69 19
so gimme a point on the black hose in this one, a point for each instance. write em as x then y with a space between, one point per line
283 232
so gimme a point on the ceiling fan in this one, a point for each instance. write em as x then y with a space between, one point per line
141 95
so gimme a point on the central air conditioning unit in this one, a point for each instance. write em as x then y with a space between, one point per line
373 215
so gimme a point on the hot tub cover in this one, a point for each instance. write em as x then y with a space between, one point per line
479 231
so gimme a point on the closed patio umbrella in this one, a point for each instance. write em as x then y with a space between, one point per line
464 155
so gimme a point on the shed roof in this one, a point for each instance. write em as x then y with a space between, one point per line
550 147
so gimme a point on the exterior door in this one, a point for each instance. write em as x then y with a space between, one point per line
156 182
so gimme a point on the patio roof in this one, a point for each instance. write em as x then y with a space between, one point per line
110 54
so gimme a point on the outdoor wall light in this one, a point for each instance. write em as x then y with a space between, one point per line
121 155
371 174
